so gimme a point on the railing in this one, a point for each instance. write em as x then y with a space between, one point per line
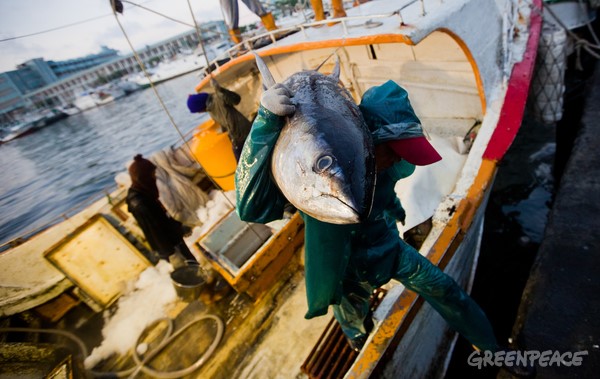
247 44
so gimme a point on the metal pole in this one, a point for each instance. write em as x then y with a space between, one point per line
200 38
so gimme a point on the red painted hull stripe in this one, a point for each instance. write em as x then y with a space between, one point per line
513 109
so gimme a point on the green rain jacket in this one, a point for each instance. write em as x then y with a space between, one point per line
367 251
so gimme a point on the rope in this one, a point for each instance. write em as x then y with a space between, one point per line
158 13
326 59
580 43
142 66
185 142
160 100
173 19
167 340
197 27
589 25
141 362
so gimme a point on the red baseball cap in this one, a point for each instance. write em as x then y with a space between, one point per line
415 150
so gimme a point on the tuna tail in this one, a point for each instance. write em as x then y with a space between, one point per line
267 78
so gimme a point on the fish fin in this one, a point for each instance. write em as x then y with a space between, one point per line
267 77
335 75
304 65
336 70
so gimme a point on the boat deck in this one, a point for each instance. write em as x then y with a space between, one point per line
255 334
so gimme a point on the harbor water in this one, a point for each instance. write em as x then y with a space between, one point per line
517 214
66 165
515 220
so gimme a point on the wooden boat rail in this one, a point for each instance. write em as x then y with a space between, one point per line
247 44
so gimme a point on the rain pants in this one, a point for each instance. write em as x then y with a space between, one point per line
163 233
231 13
344 263
221 107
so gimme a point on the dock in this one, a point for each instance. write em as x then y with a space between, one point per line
559 309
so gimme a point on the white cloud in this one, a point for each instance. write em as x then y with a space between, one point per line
23 17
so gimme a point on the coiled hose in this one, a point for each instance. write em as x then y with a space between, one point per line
141 363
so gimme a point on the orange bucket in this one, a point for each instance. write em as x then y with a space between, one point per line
214 152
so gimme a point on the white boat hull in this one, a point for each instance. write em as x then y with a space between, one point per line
428 342
169 70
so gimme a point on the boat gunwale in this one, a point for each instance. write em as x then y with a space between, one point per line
304 46
407 304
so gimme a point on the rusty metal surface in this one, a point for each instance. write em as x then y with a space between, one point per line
332 356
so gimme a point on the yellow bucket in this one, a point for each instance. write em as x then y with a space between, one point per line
214 152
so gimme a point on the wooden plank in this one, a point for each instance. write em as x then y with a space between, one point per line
98 259
55 309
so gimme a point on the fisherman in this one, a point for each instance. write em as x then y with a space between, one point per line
231 15
221 107
345 263
163 233
336 5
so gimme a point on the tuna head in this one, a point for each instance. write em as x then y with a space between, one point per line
323 161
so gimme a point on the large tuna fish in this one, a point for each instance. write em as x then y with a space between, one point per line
323 161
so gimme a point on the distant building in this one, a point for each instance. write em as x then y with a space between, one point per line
63 69
37 73
42 84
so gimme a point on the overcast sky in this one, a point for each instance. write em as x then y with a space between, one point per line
24 17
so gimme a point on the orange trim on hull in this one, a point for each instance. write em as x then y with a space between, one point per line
474 66
392 329
331 43
369 40
389 334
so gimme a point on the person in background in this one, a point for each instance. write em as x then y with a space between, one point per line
231 16
221 107
163 233
336 5
359 2
345 263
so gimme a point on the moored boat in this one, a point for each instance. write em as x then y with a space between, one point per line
31 123
84 101
468 88
99 96
17 130
69 109
169 70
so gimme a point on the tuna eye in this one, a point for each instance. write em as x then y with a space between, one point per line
323 163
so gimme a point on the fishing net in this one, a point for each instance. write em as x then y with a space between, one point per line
548 83
176 178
